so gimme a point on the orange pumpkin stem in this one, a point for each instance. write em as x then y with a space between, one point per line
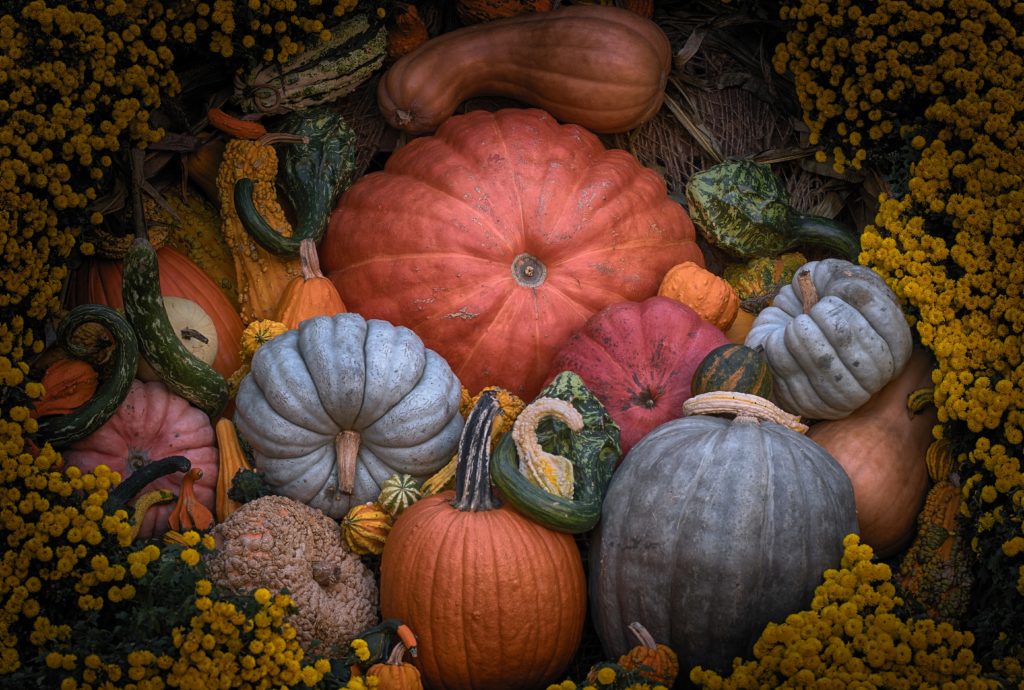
189 512
346 449
808 293
473 473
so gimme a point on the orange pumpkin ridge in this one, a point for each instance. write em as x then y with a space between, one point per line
497 237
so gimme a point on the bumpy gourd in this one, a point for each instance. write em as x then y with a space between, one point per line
335 407
703 291
262 277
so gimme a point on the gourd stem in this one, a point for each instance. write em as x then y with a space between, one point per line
309 260
473 473
395 658
642 635
346 449
808 293
282 138
742 405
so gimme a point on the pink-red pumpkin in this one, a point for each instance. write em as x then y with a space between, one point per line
638 358
152 423
499 236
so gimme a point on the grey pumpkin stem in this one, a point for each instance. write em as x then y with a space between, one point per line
473 471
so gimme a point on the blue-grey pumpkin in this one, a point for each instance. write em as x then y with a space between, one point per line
712 528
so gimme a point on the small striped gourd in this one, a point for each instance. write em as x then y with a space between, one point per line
732 367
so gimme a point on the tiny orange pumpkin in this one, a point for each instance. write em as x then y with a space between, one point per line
311 294
656 662
395 674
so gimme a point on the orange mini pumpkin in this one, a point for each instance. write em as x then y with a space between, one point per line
656 662
703 291
67 385
395 674
311 294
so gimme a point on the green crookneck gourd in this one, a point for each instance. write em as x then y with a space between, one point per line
316 165
593 450
742 207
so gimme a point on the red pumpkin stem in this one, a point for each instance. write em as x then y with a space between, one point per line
642 635
346 450
473 471
808 293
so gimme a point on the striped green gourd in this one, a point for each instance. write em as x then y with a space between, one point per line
736 368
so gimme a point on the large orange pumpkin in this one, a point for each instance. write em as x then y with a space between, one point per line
100 283
497 600
499 236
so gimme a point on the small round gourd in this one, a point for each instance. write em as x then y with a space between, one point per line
365 528
732 367
335 407
833 338
713 527
398 492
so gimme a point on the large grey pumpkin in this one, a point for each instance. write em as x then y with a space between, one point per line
833 341
338 405
712 528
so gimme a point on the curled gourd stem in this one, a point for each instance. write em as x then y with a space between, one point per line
553 473
642 635
742 405
808 293
395 658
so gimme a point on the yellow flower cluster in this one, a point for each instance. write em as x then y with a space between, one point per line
851 637
226 647
949 237
76 82
268 30
56 565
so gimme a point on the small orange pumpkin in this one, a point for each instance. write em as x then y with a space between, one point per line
656 662
703 291
311 294
395 674
67 385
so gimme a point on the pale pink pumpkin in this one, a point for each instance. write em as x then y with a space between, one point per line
638 359
152 423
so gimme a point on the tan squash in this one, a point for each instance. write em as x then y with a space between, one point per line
311 294
604 68
883 447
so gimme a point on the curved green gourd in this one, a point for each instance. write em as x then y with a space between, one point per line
312 175
742 207
594 452
62 430
138 480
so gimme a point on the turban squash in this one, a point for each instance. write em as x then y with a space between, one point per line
335 407
499 236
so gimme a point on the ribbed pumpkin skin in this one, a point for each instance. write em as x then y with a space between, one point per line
638 358
431 242
497 601
749 515
153 423
100 283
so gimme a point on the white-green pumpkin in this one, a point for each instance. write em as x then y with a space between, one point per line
833 338
338 405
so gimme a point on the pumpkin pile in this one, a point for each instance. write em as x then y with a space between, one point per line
710 396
